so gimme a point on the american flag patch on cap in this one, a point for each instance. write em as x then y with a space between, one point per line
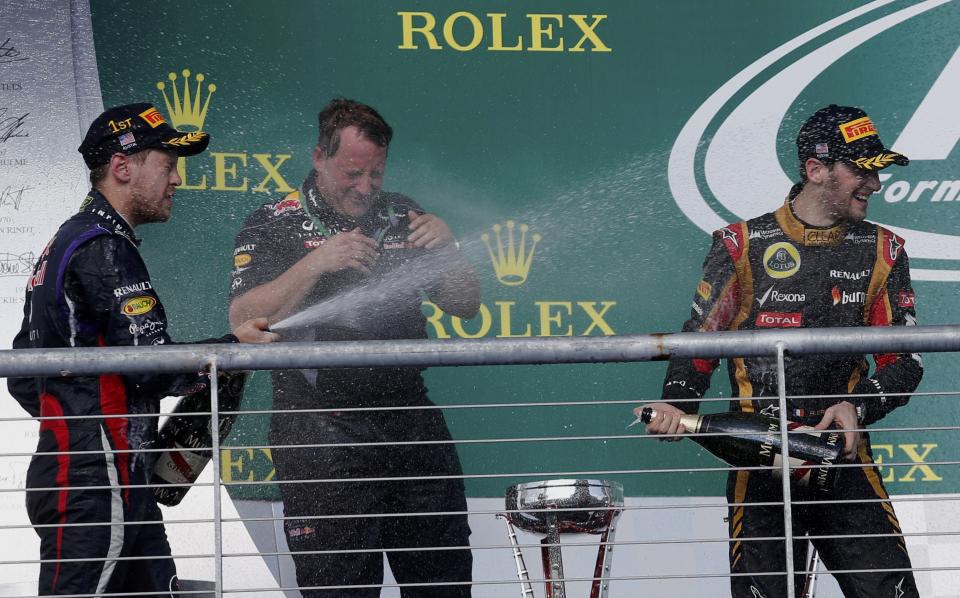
821 148
127 140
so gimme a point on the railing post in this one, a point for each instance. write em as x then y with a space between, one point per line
215 459
785 466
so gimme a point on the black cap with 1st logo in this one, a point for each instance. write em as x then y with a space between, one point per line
133 128
844 133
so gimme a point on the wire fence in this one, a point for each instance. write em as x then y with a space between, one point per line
230 538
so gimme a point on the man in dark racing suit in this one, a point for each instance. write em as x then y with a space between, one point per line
362 257
814 262
90 288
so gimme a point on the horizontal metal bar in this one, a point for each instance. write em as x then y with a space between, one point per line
478 441
478 512
472 547
525 404
514 351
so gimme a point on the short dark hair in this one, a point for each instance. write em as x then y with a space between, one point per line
341 113
798 187
98 173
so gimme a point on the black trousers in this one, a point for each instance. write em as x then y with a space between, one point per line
333 549
879 544
85 559
158 576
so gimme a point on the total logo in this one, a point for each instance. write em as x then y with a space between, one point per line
773 319
739 123
841 297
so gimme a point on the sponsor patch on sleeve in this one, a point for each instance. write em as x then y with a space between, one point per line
906 299
137 287
704 289
138 306
733 239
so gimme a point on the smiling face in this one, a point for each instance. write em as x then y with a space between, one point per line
835 193
153 182
350 180
847 190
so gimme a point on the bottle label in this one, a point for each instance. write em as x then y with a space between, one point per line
797 475
180 466
808 475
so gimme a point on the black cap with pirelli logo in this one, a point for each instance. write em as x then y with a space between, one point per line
844 133
133 128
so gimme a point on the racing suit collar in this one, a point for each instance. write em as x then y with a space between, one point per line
97 205
805 234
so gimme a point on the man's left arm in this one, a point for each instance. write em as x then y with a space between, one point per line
896 373
456 288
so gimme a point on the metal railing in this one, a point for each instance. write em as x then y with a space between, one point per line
431 353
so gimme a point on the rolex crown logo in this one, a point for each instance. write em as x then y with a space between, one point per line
511 263
186 111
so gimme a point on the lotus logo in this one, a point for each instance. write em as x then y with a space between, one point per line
747 134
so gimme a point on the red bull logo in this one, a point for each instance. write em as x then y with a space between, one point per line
287 204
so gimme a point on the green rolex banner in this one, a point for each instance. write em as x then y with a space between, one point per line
582 151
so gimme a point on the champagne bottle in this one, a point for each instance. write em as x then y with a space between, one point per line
188 439
750 439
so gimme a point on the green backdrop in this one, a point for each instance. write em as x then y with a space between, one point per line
573 144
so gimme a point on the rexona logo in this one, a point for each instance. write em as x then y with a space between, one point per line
511 249
187 103
776 296
740 121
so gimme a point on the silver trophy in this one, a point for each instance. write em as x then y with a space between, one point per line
554 507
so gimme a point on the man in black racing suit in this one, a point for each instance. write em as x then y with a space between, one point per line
362 257
814 262
90 288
